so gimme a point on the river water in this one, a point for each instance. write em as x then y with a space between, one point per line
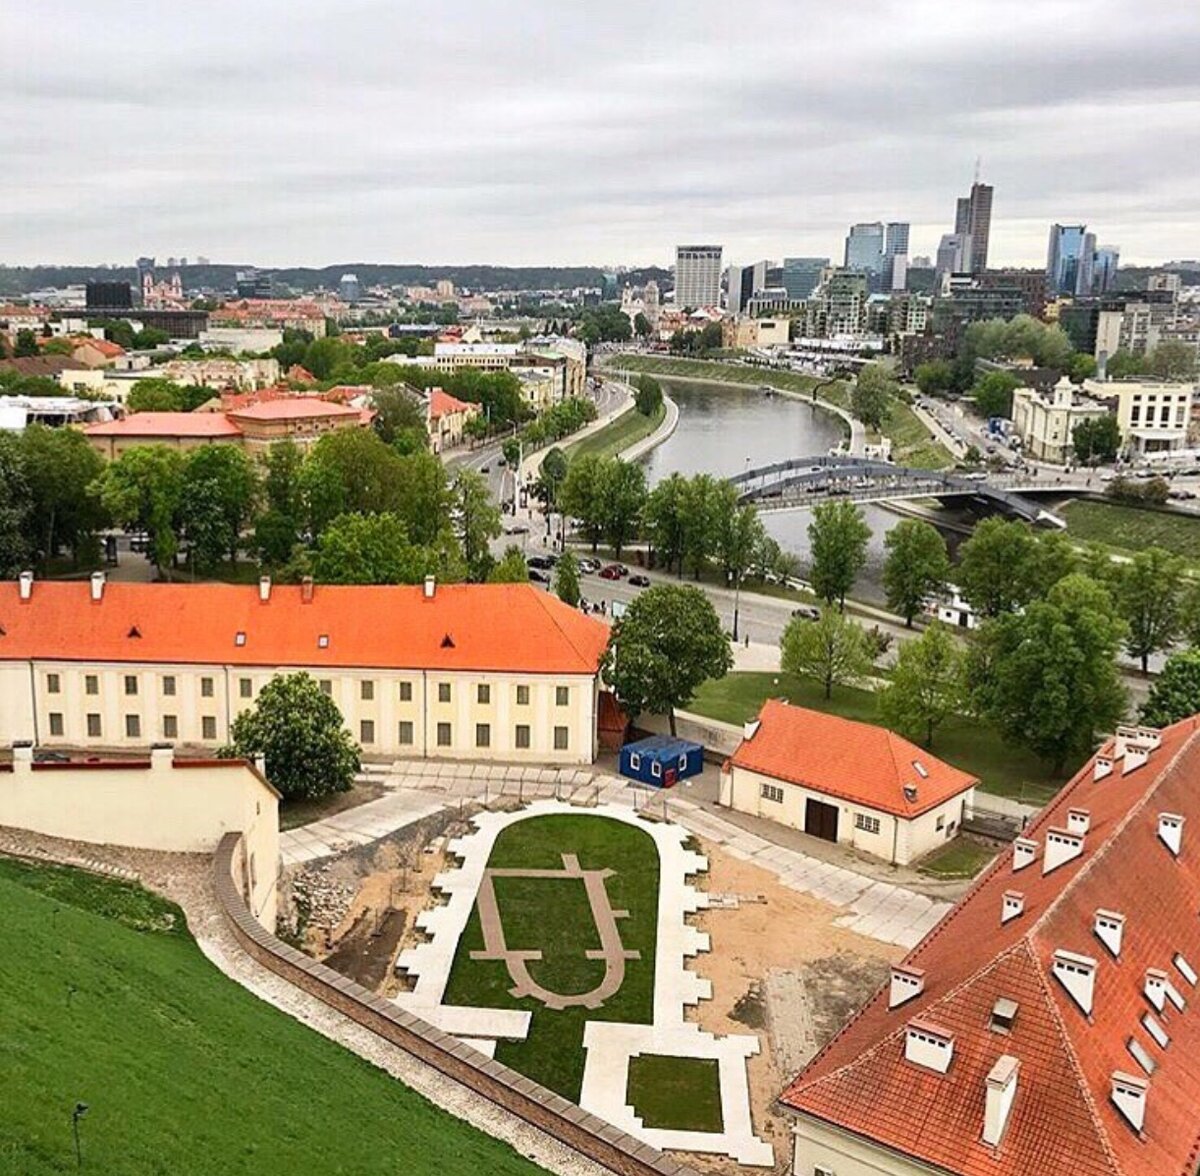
724 430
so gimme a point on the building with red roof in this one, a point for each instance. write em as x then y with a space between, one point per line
1051 1022
179 430
853 783
448 418
465 671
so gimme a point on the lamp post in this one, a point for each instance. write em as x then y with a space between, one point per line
81 1109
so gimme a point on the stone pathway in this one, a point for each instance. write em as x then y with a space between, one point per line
357 826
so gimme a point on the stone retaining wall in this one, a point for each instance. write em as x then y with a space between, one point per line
565 1121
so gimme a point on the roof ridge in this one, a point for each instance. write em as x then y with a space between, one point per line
543 599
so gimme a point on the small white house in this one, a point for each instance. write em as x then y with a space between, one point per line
847 782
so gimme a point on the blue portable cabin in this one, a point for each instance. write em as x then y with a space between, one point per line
661 760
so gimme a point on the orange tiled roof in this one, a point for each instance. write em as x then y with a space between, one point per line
859 762
441 404
464 627
283 408
167 424
1063 1119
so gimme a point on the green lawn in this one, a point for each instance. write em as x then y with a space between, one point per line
553 916
959 858
1133 528
614 438
107 1000
1003 769
675 1094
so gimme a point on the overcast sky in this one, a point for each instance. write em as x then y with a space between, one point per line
532 132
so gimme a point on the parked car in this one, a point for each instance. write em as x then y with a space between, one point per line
610 573
538 577
516 529
589 566
43 756
538 561
639 581
807 612
1181 495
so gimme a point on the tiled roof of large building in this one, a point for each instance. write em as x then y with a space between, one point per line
167 424
285 408
495 627
869 765
1098 953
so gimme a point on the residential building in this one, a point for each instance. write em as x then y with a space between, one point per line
271 313
1030 282
447 419
241 339
744 332
697 276
242 374
852 783
460 671
1046 1024
1045 422
567 357
1136 326
802 275
838 306
1169 282
1154 415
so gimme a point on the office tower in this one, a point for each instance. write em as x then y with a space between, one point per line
802 275
864 248
109 296
973 223
348 288
252 283
962 216
697 276
1104 269
743 282
896 239
1063 257
952 253
896 255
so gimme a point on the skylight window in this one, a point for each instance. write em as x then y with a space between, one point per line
921 769
323 641
239 638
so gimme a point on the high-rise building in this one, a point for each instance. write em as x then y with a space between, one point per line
864 248
109 296
1104 269
1063 258
743 282
348 288
697 276
896 238
895 261
253 283
802 275
952 253
973 223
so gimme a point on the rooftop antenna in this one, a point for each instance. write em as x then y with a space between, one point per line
978 167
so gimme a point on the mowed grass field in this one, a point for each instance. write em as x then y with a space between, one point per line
554 917
614 438
974 747
106 999
1133 528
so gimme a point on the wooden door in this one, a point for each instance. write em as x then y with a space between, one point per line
820 819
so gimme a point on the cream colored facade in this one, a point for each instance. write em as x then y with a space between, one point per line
391 713
1045 424
161 804
899 840
246 375
1153 415
819 1149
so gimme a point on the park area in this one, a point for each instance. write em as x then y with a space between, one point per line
1128 529
108 1001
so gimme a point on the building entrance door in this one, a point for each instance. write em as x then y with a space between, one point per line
821 820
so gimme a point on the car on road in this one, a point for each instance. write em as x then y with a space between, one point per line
807 612
537 576
1180 494
517 529
539 561
639 581
610 572
485 469
589 566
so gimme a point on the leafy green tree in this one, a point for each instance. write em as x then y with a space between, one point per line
368 472
16 502
699 507
220 488
478 522
935 378
154 395
1123 363
60 468
622 496
668 642
370 549
917 566
581 496
298 730
1096 439
1080 367
510 568
648 395
1172 360
1175 693
665 520
566 579
641 325
834 651
553 474
837 537
927 685
143 488
323 357
739 535
1149 591
400 419
26 345
1047 678
872 396
993 566
993 393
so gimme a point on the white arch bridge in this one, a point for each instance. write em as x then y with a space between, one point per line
805 481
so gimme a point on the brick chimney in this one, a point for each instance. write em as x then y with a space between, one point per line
1001 1092
1077 974
906 984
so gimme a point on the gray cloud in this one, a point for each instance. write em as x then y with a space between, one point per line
539 133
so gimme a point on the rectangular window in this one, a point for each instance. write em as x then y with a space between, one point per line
443 734
483 694
483 735
170 727
326 686
53 684
367 690
245 688
772 792
168 684
206 688
562 737
522 696
562 695
93 726
133 726
208 727
941 823
91 684
406 692
130 684
366 731
867 824
406 733
56 724
443 692
523 736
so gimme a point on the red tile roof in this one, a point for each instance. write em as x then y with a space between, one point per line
441 404
41 365
464 627
285 408
1063 1119
858 762
167 424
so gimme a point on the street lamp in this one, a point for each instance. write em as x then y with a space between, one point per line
81 1109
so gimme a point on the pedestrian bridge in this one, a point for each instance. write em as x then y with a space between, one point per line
805 481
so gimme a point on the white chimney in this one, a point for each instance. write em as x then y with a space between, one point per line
25 585
1155 988
97 585
1109 928
928 1045
1001 1092
430 587
1136 754
750 729
1150 736
1121 740
906 983
1129 1097
264 588
1103 767
1024 852
1077 974
1078 820
1012 904
1062 846
1170 831
306 590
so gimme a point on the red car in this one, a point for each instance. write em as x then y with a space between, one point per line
612 572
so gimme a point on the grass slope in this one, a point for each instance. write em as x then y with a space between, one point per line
912 444
107 1000
614 438
554 917
675 1094
1133 528
974 747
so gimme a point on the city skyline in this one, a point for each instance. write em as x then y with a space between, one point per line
300 141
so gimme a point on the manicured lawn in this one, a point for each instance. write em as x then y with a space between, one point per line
626 430
1002 769
1133 528
553 916
107 1000
675 1094
959 858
